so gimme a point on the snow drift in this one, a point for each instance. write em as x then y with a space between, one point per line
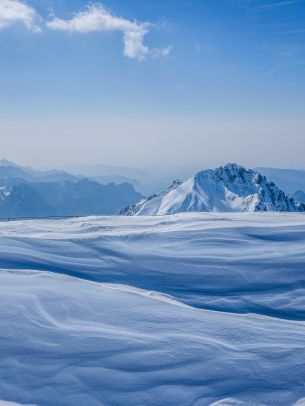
191 309
69 342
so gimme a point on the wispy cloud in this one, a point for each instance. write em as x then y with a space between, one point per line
261 5
280 32
96 18
14 11
278 4
288 31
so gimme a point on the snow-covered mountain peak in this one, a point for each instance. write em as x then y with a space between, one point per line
5 162
227 188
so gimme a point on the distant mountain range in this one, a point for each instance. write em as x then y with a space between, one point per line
152 180
225 189
11 173
145 181
26 192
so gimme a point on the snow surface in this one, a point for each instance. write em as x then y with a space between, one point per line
231 188
5 403
190 309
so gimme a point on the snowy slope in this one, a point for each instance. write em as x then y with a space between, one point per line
238 262
70 342
172 310
225 189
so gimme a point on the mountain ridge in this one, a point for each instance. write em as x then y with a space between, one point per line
227 188
28 192
289 180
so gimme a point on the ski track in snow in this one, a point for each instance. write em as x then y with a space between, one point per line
193 309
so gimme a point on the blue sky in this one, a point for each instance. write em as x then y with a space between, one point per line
157 82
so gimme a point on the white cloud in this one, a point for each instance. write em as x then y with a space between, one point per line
14 11
133 44
96 18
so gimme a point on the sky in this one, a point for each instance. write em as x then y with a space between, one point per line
153 83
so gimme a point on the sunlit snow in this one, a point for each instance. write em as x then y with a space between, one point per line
190 309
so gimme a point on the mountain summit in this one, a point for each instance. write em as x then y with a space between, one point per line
225 189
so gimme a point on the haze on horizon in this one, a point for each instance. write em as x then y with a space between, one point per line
164 83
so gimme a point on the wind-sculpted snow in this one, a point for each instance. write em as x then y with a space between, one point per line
190 309
72 342
234 262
